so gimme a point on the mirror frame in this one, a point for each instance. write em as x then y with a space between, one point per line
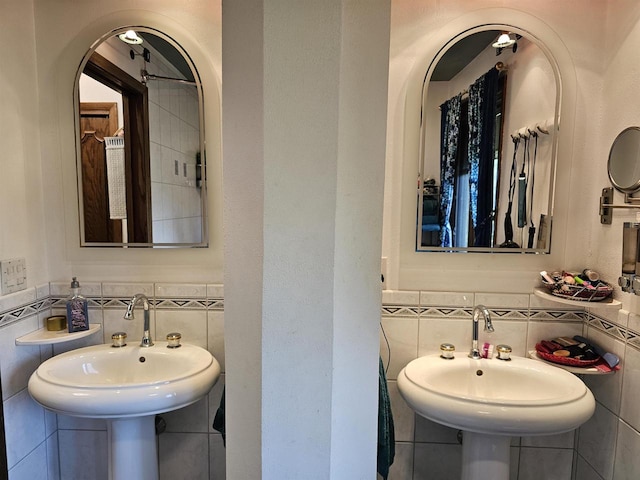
636 185
202 141
553 131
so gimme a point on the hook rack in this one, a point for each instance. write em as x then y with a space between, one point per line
607 206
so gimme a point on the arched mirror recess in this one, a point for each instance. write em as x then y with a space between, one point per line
140 143
490 111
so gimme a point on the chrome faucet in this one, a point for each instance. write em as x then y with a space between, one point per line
488 327
137 298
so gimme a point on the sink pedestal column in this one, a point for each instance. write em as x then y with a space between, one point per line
132 448
485 456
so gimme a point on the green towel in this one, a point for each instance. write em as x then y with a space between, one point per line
386 434
219 420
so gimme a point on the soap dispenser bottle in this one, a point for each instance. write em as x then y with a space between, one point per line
77 309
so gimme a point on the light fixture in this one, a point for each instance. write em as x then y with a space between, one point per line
504 40
130 37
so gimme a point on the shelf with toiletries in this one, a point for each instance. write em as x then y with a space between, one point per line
49 337
575 288
607 302
577 355
592 370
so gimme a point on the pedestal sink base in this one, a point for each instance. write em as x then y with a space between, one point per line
133 448
485 456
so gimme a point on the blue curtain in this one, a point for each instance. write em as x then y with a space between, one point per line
482 118
449 130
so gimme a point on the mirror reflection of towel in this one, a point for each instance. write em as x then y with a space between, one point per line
116 178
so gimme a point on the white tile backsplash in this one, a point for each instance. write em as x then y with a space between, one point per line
503 300
402 334
215 291
447 299
436 331
17 299
607 389
17 362
411 332
181 290
192 324
400 297
127 290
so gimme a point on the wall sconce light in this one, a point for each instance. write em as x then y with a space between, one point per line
504 40
130 37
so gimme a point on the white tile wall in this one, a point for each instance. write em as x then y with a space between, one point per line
44 445
415 324
428 450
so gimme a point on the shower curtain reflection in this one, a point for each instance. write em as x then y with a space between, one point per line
469 163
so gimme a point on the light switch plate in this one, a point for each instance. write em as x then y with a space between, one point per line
14 275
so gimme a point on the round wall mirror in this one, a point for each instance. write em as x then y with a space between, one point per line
624 161
140 143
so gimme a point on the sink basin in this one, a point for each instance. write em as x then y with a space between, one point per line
105 382
491 400
127 386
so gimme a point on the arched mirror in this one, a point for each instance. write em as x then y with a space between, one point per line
490 114
624 161
140 143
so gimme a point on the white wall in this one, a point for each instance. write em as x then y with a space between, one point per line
419 31
61 41
22 209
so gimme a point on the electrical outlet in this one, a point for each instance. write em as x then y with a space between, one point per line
14 275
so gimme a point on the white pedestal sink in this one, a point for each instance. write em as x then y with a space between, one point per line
491 400
127 386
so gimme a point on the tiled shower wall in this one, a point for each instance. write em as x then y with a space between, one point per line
174 133
415 323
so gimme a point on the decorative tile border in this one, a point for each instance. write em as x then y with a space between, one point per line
445 312
24 311
400 311
496 313
156 303
558 315
58 301
633 339
617 332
